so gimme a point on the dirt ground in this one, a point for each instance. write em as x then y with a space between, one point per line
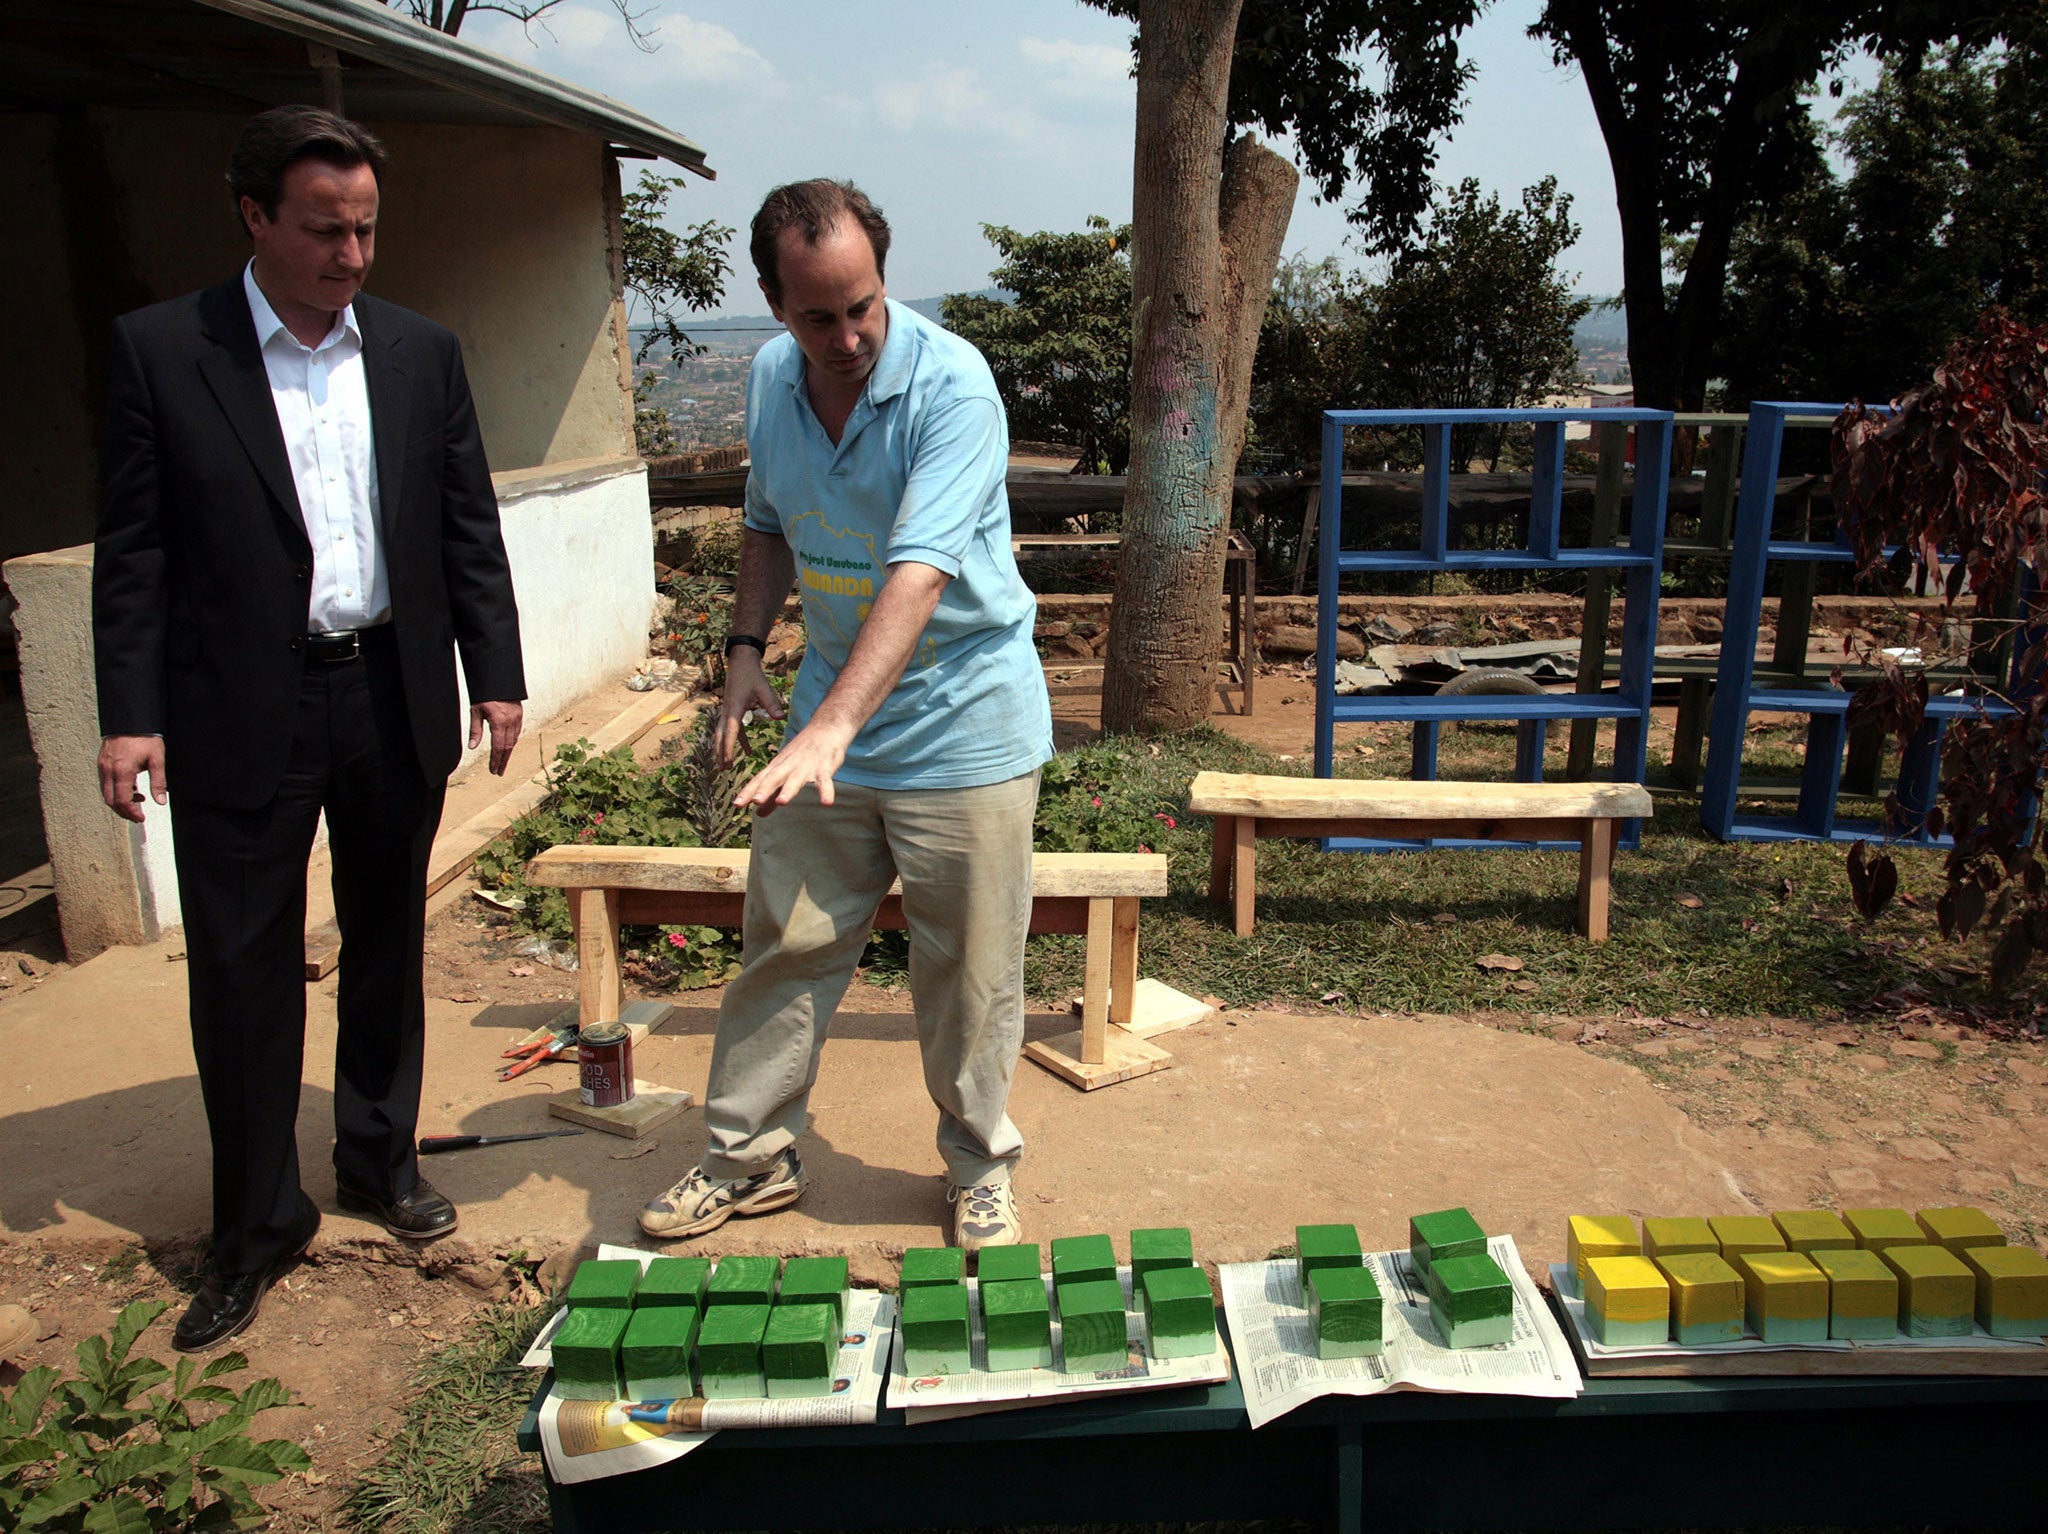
1773 1112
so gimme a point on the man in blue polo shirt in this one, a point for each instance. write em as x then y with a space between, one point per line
917 727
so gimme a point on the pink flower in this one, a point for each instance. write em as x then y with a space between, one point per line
1171 823
586 833
598 818
677 940
1096 801
1143 848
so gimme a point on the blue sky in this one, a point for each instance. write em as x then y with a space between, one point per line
956 113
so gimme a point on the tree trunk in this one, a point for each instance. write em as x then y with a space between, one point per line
1195 316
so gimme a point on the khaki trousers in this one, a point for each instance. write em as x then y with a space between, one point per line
813 883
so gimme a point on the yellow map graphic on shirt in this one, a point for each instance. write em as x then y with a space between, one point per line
827 576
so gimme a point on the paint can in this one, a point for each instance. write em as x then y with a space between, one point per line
606 1051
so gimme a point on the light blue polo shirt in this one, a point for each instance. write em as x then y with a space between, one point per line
917 475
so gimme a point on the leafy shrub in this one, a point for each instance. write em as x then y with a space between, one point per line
1098 799
111 1452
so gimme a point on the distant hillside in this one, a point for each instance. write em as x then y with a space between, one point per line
766 325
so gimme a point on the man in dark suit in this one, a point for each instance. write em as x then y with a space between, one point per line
297 531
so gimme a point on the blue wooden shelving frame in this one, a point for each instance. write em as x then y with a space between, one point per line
1737 695
1640 561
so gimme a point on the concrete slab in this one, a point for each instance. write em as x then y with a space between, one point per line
1267 1122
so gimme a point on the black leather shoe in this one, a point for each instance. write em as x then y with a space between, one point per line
225 1306
421 1215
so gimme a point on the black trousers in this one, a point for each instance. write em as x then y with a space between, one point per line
242 882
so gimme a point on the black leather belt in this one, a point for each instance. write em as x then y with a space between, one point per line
346 644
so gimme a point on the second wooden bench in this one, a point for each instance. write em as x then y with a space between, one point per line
1247 806
1090 893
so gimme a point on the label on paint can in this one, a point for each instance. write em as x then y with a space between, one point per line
606 1050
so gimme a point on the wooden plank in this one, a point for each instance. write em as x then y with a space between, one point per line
1477 828
323 950
1157 1008
595 917
654 908
1095 985
1125 1058
1228 793
652 1106
1596 869
724 869
1599 595
1123 959
1244 876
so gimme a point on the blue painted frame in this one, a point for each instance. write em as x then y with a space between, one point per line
1737 695
1642 561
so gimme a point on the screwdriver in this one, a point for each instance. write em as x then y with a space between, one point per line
433 1145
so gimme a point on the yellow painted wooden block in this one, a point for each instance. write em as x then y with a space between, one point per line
1598 1235
1706 1297
1786 1296
1879 1230
1628 1301
1863 1294
1960 1229
1668 1237
1814 1230
2012 1289
1741 1234
1937 1293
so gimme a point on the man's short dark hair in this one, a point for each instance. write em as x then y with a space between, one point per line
814 207
272 142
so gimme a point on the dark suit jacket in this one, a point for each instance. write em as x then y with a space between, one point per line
203 572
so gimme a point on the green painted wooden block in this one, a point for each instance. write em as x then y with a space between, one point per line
586 1353
742 1281
1178 1312
607 1284
1682 1236
1628 1302
1741 1234
1879 1230
815 1281
1445 1233
1863 1294
1706 1298
1785 1296
935 1331
924 1265
1171 1247
1959 1229
1937 1293
1347 1313
1471 1300
1004 1264
2012 1289
1814 1230
729 1349
1082 1260
1324 1246
1093 1332
1016 1322
654 1353
799 1348
1587 1236
674 1281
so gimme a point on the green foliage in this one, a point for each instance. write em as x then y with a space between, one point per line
700 615
1314 354
1852 287
666 270
129 1445
1097 799
1061 348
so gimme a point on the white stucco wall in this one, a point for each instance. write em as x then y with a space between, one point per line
582 554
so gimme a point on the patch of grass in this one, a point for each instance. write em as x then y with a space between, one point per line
452 1465
1773 930
122 1266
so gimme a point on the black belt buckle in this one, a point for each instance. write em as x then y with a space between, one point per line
343 646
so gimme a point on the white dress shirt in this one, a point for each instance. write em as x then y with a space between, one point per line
323 405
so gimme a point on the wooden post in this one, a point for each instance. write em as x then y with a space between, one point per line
1095 988
1222 848
595 915
1596 867
1308 532
1123 959
1578 765
1694 695
1245 873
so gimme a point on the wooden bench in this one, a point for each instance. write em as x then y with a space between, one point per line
1091 893
1246 807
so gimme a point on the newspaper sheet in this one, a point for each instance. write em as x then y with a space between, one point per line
588 1440
1276 1345
937 1397
1566 1284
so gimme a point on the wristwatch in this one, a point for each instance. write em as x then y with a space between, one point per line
734 641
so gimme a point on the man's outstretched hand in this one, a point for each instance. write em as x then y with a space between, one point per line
505 721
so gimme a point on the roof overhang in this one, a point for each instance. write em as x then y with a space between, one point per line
253 54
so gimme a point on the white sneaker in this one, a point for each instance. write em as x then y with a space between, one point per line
701 1202
984 1215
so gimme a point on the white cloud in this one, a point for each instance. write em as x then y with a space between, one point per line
580 36
705 53
1088 71
947 96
